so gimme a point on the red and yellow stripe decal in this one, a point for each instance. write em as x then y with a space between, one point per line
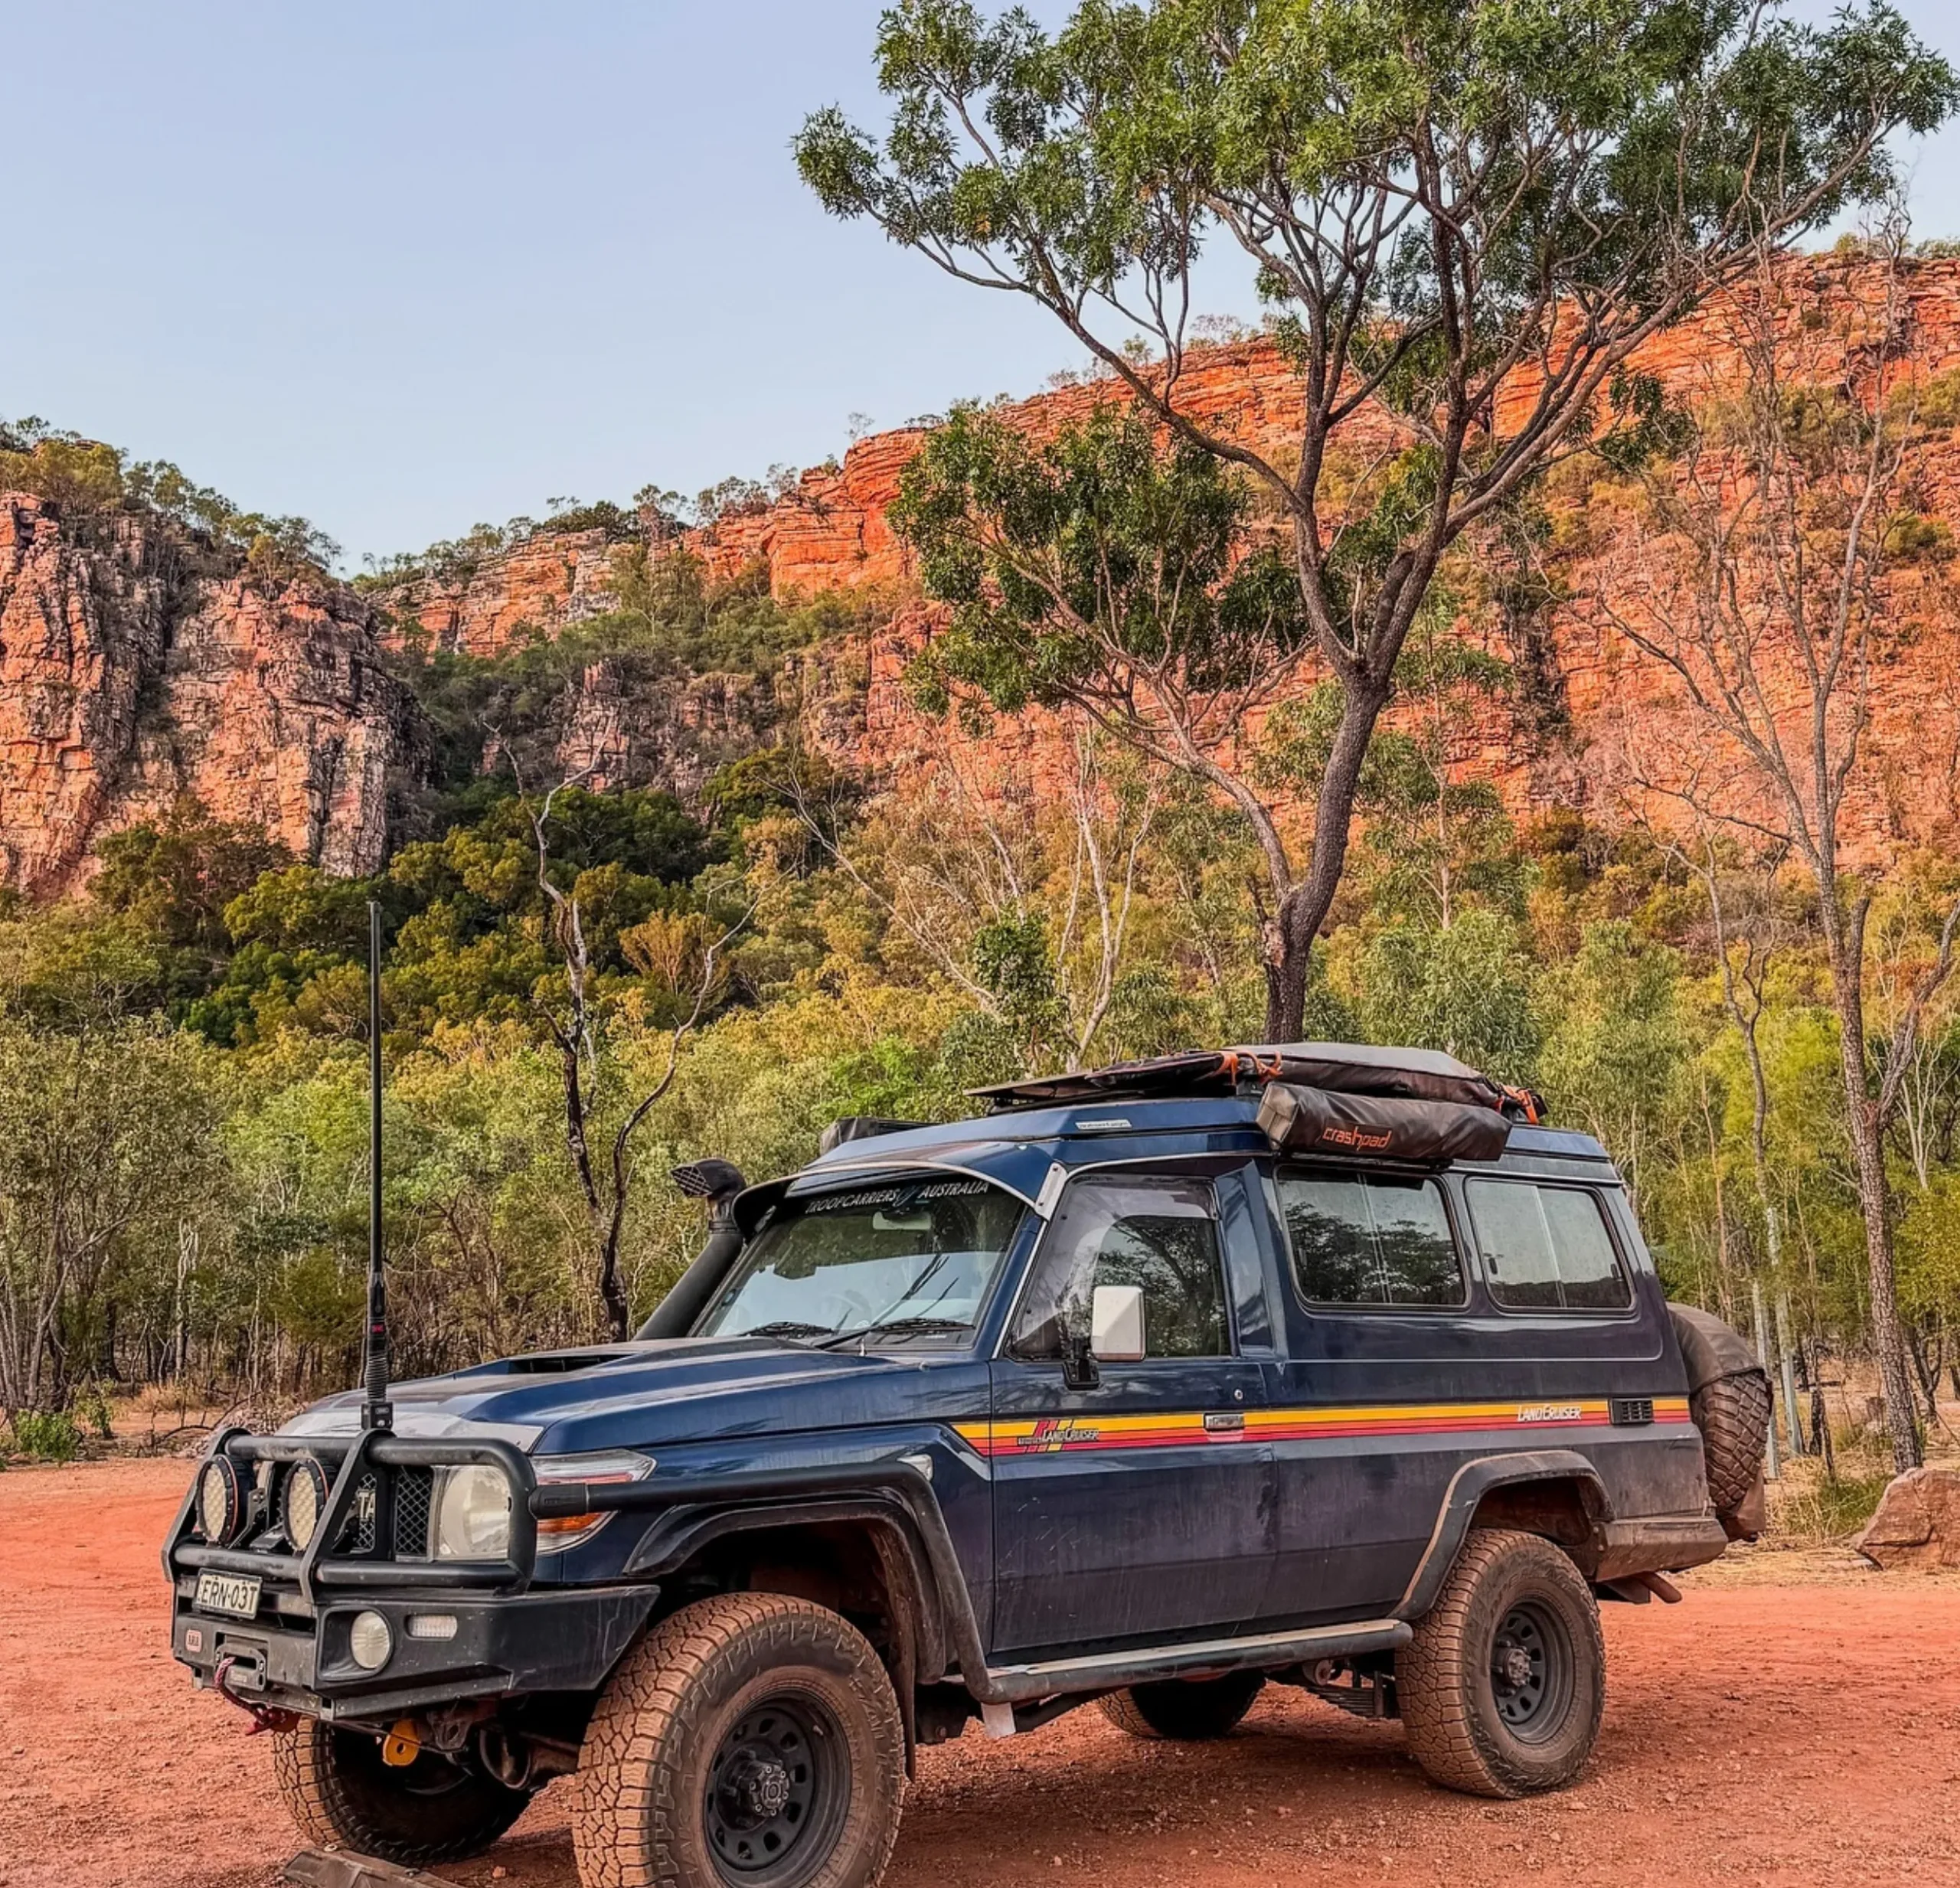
1067 1435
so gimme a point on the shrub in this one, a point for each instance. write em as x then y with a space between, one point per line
1822 1511
47 1435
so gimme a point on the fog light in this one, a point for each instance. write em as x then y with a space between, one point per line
305 1497
432 1625
370 1640
221 1500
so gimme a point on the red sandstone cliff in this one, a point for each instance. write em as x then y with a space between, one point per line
126 678
831 531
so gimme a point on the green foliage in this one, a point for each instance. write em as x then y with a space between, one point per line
1830 1508
1416 188
1077 566
1468 990
454 560
489 718
1616 1042
47 1435
176 880
93 482
465 915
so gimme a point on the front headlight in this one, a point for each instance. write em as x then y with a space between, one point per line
472 1514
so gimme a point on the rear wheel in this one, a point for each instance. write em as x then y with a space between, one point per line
1186 1710
1503 1687
340 1795
751 1741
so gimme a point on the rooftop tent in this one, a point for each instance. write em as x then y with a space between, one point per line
1342 1068
1298 1118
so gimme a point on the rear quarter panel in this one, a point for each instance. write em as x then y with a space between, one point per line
1379 1410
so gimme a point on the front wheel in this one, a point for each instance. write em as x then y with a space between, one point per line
1187 1710
1502 1688
751 1741
340 1795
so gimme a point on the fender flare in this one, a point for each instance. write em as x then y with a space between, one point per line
893 1500
1468 1486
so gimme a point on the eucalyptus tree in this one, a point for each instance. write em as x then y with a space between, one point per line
1463 217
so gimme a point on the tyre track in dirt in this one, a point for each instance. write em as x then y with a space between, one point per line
1777 1728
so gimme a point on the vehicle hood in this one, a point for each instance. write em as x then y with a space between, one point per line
659 1391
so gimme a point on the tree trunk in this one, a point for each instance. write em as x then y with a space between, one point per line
1303 907
1843 942
611 1287
1874 1201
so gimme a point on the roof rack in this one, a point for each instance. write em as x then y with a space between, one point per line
1342 1068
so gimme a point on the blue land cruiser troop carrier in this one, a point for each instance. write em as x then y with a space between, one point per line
1320 1365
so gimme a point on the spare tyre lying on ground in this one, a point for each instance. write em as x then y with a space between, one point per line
1729 1398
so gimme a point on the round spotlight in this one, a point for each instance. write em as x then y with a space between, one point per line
369 1641
221 1501
304 1502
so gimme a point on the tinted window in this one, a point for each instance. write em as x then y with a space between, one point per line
1158 1234
1369 1239
1546 1247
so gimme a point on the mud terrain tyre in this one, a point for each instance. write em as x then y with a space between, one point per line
1732 1415
340 1795
751 1738
1184 1710
1729 1398
1502 1688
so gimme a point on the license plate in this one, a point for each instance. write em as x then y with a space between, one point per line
236 1594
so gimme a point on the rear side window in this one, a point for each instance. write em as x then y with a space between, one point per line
1370 1239
1546 1248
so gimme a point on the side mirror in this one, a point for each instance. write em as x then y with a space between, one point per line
1115 1323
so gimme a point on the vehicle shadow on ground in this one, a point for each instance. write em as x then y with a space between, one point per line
1296 1777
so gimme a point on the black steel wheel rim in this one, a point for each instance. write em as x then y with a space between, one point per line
776 1794
1531 1672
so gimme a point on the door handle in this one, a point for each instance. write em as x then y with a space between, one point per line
1225 1423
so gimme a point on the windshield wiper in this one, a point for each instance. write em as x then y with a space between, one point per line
792 1330
893 1327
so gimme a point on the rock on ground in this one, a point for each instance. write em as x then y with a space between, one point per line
1918 1522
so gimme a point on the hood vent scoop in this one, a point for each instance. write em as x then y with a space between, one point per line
559 1362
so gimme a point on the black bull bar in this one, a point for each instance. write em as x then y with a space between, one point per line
356 1455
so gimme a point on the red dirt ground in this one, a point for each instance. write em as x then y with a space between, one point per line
1795 1722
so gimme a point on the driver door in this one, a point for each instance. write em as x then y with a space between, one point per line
1133 1507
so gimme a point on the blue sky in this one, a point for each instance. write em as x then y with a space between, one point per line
403 266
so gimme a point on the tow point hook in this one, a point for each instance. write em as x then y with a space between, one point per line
265 1717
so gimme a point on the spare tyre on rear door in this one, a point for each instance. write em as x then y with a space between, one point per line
1729 1398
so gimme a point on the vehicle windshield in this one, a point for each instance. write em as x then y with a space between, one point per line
904 1262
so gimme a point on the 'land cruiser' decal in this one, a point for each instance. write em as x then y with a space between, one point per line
1062 1434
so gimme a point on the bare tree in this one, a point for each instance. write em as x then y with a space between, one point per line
1758 588
574 1031
957 860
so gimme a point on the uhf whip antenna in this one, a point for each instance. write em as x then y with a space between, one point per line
377 1412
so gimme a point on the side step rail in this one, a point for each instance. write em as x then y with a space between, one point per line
1109 1671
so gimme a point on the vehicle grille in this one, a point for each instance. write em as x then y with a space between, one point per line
361 1522
414 1489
